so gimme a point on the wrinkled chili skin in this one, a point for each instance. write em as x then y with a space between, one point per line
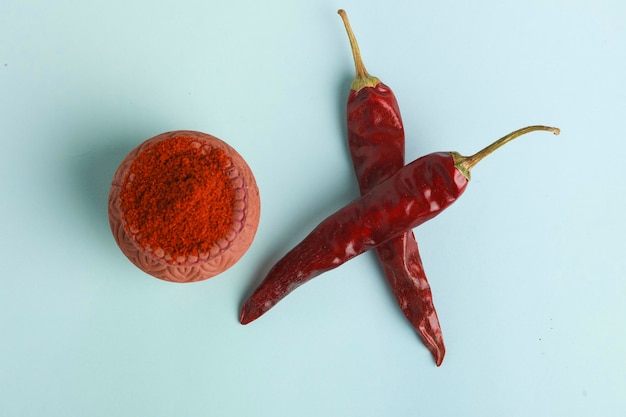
375 135
376 144
413 195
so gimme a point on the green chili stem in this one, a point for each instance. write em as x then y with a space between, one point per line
466 163
362 79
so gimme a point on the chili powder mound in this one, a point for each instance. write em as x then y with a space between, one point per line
178 198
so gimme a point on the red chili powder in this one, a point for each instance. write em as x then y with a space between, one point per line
177 197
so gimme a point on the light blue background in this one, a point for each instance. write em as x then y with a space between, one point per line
527 268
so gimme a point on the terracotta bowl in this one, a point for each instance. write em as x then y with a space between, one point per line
205 264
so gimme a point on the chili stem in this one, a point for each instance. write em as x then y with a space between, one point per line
466 163
362 79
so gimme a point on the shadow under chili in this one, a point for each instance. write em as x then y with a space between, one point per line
343 88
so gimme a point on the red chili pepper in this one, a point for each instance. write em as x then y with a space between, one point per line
413 195
376 142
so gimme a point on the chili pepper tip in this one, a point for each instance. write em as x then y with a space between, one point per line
249 312
437 349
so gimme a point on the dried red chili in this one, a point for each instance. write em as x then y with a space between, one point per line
413 195
376 143
177 197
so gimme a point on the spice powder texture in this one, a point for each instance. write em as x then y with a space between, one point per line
178 198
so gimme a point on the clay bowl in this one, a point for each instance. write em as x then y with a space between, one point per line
207 261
